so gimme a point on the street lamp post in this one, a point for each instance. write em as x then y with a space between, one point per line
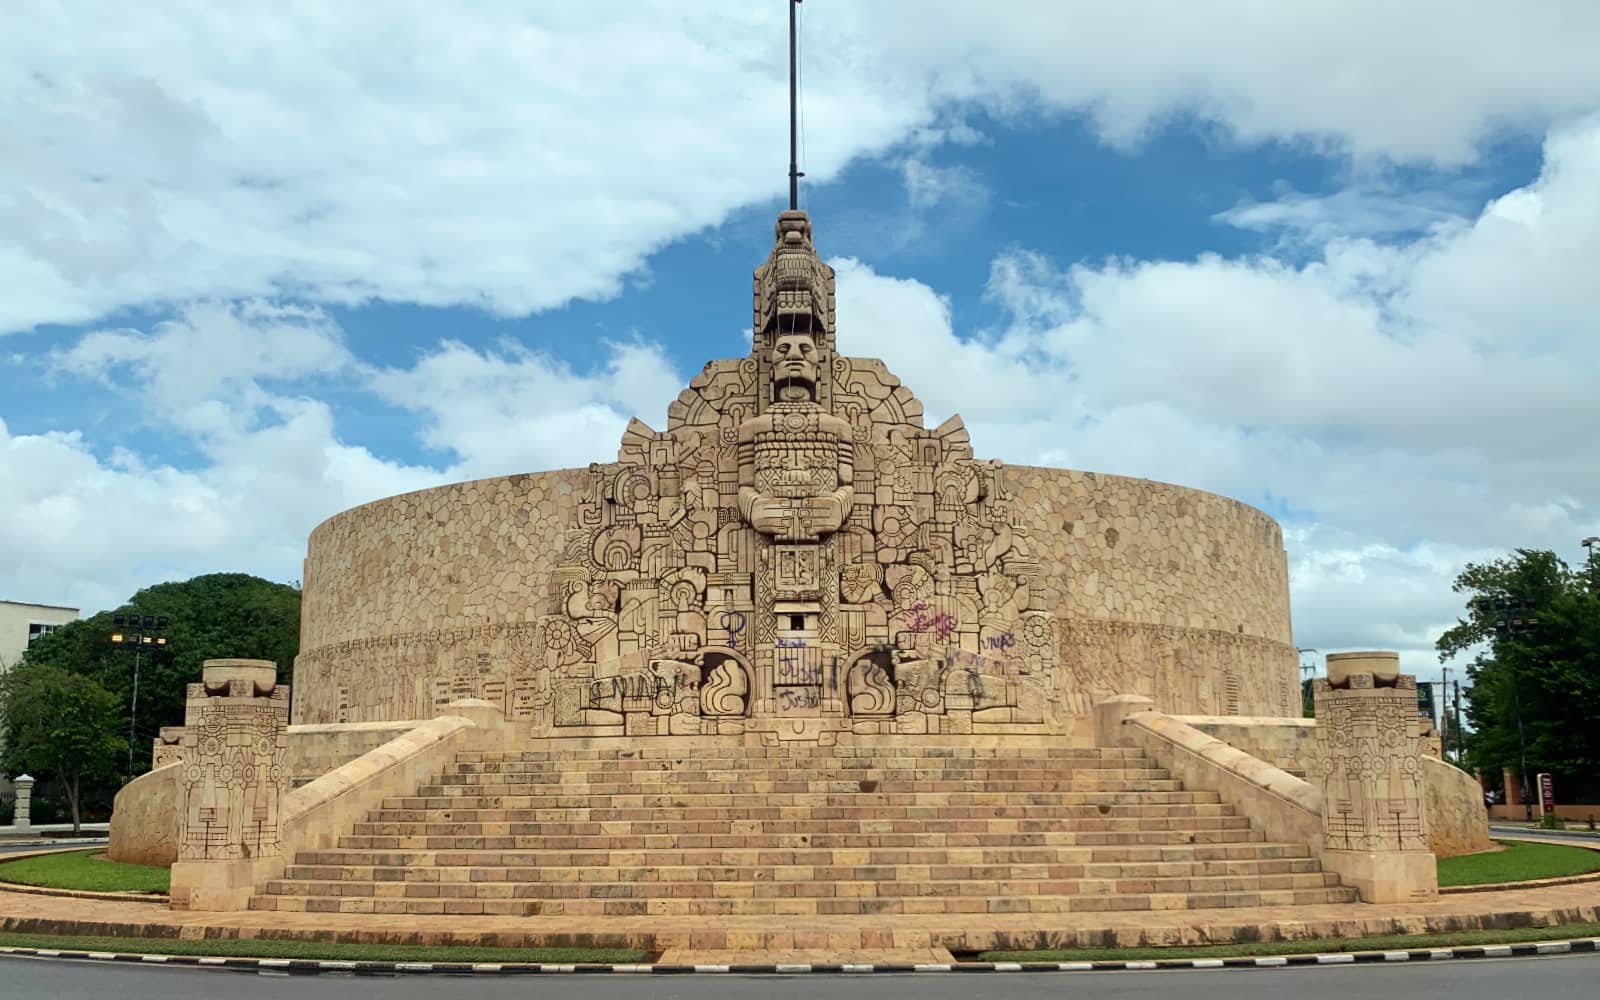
143 633
1513 625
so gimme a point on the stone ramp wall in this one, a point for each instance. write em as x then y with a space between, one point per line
145 816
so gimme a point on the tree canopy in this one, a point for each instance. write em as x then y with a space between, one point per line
209 617
63 726
1535 623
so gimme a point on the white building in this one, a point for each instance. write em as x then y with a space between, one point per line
21 623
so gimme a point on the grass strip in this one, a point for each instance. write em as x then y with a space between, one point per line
326 950
1521 861
1388 942
78 870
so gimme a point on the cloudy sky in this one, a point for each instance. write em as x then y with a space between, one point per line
259 263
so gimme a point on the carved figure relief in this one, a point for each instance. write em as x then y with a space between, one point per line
795 509
1369 751
232 749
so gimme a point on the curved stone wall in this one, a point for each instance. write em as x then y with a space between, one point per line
1173 593
416 600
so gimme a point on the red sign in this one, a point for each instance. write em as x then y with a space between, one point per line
1547 793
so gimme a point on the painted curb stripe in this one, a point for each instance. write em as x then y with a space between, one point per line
315 966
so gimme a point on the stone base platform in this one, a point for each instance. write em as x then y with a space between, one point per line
840 938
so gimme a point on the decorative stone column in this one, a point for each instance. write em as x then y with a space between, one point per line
232 785
1511 781
1374 828
22 813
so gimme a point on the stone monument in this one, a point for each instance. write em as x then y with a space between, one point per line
232 784
1374 828
796 557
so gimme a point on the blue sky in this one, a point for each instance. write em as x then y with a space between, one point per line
263 266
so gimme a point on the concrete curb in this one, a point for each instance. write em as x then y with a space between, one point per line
296 966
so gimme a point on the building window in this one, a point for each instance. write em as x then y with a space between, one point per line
36 629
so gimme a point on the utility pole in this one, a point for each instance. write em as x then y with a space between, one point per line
1306 672
1444 714
1460 746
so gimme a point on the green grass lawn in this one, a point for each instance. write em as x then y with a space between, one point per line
1392 942
82 870
1521 861
324 950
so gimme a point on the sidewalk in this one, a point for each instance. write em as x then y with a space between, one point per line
44 830
836 938
1569 837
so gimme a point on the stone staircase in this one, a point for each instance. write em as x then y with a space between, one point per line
802 830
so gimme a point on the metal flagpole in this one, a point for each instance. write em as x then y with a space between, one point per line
794 162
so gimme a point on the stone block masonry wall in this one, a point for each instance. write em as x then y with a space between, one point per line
419 599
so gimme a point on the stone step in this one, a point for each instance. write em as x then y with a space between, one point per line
910 874
1141 857
778 841
869 882
820 905
864 821
796 783
1009 770
656 800
798 752
492 820
844 769
801 830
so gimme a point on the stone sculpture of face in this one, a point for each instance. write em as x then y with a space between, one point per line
794 361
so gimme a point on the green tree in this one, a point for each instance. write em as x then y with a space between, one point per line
62 725
1534 703
215 616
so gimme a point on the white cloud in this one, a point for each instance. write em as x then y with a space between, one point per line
1316 220
204 369
240 387
516 159
513 410
87 530
1416 82
1411 407
929 186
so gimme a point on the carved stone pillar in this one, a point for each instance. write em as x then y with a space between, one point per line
232 785
1374 828
22 811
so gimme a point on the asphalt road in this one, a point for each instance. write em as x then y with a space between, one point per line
1566 976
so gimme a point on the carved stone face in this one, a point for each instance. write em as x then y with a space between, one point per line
794 360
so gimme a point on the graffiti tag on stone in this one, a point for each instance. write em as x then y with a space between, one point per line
733 623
